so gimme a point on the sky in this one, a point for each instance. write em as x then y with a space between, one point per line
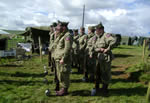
126 17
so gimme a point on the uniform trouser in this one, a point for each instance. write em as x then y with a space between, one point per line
75 58
103 71
63 73
49 58
82 62
91 65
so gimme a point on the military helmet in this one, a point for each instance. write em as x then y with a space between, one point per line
63 23
54 24
91 27
75 30
99 26
82 28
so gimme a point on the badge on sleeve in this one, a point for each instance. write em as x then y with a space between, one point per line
108 35
68 38
94 38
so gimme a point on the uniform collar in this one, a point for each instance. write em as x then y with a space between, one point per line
99 36
91 35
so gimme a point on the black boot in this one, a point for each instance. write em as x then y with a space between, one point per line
97 86
91 78
105 89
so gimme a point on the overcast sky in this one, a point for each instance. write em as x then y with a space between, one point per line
128 17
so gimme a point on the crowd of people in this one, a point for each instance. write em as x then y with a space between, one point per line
90 53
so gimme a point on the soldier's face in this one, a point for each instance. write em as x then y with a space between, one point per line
59 28
64 28
99 31
81 31
89 31
75 33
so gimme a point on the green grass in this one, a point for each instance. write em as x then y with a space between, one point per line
22 81
14 31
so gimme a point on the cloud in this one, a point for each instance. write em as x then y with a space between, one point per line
118 16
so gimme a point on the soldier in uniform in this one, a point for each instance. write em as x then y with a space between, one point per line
104 42
75 48
82 52
90 62
91 30
51 41
52 48
63 58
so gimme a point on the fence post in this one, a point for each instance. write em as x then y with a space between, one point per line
40 48
148 94
143 55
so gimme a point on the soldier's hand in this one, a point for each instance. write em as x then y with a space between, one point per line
90 56
101 49
105 51
61 61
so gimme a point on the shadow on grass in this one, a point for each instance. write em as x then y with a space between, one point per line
114 66
76 81
141 91
21 74
117 72
134 76
124 48
113 81
81 93
122 55
74 72
20 83
11 65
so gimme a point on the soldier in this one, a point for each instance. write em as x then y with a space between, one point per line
91 31
75 47
51 41
63 58
90 62
52 48
104 42
82 56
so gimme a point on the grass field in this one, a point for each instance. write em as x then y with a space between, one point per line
22 81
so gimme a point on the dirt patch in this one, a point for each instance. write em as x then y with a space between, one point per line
119 72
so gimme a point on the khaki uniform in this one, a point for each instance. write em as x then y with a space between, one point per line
51 48
63 44
82 51
75 49
90 62
103 60
50 53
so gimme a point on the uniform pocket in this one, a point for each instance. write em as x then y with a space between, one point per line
65 68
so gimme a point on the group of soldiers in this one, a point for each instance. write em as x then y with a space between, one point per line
90 53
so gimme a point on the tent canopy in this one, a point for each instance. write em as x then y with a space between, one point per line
33 34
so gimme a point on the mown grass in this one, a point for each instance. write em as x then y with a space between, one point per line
22 81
